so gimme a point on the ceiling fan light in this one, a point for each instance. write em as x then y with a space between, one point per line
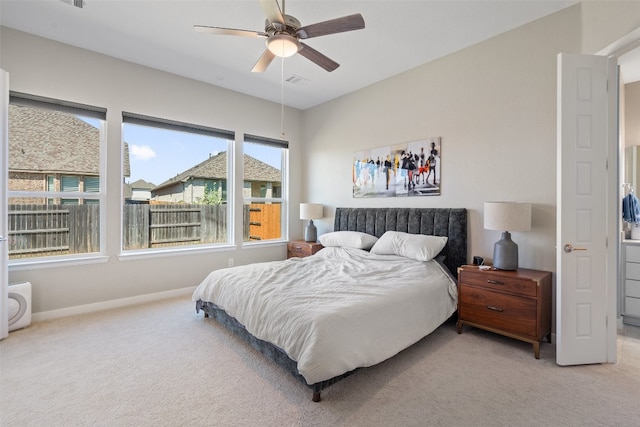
283 45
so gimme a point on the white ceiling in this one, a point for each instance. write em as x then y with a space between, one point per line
399 35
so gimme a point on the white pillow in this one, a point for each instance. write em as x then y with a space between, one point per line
416 246
348 239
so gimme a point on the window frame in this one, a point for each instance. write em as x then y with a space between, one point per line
178 126
85 111
284 187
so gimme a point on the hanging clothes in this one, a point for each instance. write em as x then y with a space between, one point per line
631 208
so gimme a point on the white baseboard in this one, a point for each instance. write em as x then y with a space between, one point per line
106 305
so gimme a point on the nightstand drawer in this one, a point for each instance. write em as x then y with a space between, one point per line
512 303
300 248
499 283
508 313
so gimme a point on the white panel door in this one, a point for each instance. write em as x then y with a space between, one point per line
4 169
586 204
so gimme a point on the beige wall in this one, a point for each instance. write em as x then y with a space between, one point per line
604 22
632 114
51 69
630 135
493 104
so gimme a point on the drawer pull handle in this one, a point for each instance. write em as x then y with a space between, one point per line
495 282
490 307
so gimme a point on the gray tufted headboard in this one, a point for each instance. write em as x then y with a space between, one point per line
433 221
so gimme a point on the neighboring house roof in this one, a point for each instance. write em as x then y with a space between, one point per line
215 167
49 141
141 184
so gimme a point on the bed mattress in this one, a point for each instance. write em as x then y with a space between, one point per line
337 310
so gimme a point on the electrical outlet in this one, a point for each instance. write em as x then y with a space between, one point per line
230 262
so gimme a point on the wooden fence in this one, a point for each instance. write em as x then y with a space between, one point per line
163 225
263 220
44 230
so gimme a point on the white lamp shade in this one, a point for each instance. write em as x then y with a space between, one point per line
507 216
310 211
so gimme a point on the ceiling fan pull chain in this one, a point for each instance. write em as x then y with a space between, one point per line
282 96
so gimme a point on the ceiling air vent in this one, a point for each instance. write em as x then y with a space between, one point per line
294 79
76 3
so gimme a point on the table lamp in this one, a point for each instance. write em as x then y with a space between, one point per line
506 217
310 211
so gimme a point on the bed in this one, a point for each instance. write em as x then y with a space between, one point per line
347 307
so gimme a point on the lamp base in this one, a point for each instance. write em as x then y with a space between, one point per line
310 232
505 253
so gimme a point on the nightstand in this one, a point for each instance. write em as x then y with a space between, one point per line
516 304
301 249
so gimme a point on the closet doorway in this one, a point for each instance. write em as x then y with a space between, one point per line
629 279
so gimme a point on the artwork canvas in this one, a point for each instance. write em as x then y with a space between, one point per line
402 170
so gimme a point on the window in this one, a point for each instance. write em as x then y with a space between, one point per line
91 184
176 178
54 147
264 188
69 183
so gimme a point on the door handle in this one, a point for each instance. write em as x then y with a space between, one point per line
2 238
568 248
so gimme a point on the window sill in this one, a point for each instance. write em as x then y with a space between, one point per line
165 252
263 243
68 261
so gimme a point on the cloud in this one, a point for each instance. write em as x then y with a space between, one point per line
142 152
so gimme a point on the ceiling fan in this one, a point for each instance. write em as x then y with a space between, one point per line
284 32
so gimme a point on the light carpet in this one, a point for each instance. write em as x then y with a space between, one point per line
161 364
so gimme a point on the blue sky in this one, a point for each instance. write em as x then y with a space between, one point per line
156 155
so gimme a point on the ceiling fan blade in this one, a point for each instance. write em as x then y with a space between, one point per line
228 31
314 56
332 26
263 62
272 11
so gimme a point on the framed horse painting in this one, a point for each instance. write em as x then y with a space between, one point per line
402 170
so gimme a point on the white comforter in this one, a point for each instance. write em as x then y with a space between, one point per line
338 310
